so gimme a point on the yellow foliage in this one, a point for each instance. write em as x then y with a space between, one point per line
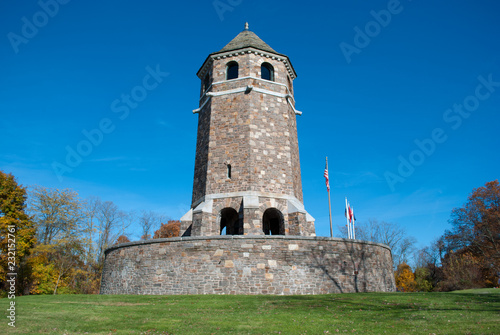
44 272
405 279
17 232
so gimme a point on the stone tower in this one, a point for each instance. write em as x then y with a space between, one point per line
247 170
247 185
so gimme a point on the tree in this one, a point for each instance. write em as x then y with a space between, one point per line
405 279
103 223
461 270
148 220
54 267
386 233
61 233
73 236
89 276
57 213
17 230
90 208
431 259
122 239
170 229
112 222
66 256
423 279
476 226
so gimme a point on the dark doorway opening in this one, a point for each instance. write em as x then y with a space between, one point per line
230 222
273 222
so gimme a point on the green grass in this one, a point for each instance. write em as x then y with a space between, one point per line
462 312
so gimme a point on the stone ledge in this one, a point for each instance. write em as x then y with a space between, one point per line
242 237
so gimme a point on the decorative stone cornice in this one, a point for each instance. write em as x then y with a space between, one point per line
248 50
244 78
247 90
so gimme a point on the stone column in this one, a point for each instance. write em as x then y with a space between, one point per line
252 222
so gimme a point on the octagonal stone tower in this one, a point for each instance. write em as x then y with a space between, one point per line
247 170
247 185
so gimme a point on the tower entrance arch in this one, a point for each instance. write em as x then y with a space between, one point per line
230 222
273 222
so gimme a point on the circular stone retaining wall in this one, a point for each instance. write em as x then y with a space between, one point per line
247 265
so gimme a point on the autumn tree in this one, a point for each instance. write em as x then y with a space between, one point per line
58 254
57 214
167 230
67 257
405 279
476 226
17 231
122 239
461 270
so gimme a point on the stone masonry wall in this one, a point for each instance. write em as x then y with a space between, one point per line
247 265
254 132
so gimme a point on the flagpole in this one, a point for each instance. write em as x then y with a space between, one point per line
347 219
329 202
351 220
353 229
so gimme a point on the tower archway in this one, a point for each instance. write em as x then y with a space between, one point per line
273 222
230 222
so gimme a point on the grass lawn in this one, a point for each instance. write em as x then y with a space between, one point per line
462 312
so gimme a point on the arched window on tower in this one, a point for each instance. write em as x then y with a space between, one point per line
267 71
232 70
273 222
230 223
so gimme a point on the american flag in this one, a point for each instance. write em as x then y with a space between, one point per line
326 177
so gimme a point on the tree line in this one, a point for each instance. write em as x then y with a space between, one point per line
60 238
60 241
465 256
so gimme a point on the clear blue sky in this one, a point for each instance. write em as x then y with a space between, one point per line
365 99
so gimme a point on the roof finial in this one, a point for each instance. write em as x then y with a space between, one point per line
246 25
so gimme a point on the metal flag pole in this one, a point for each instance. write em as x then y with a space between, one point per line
329 202
353 229
347 219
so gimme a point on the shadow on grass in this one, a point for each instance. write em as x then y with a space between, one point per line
410 309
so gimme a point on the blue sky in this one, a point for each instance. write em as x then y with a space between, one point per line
380 85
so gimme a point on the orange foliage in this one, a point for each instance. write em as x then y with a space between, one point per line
476 227
461 270
122 239
170 229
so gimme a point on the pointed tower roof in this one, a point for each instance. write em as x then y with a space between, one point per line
247 39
